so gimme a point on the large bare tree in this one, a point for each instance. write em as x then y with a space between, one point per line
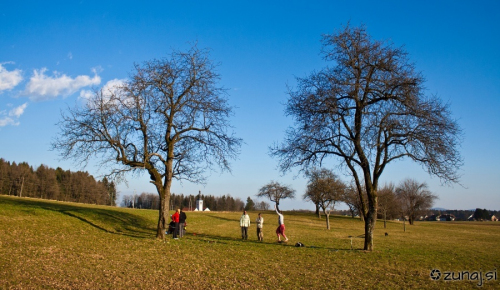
324 189
169 120
275 192
367 110
414 198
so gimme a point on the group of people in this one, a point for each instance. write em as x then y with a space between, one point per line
245 224
177 226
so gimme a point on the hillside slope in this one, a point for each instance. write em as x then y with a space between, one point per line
45 244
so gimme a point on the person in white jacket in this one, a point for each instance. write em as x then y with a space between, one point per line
244 224
280 231
260 225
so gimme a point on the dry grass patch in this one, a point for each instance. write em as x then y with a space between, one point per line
57 245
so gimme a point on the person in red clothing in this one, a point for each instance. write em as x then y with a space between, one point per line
175 219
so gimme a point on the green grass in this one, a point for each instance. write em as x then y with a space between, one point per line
56 245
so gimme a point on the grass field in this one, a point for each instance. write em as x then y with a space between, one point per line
55 245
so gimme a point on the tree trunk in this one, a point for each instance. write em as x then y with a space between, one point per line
370 220
353 215
385 218
164 192
163 216
318 213
21 192
327 220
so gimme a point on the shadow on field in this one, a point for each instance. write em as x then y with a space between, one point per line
108 220
239 242
117 223
222 218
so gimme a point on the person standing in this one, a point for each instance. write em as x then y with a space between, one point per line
260 224
244 224
175 219
280 231
182 223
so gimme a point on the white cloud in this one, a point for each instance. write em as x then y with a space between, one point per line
17 112
42 87
9 79
110 88
70 55
12 117
86 94
7 121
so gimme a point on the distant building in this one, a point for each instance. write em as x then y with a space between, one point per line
199 203
446 217
441 218
432 218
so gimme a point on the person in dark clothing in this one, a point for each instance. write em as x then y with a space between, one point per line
171 227
182 223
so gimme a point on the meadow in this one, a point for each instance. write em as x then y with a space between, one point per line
57 245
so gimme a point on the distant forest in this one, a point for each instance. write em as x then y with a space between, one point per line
213 203
56 184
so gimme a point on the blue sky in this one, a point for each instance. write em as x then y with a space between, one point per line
51 52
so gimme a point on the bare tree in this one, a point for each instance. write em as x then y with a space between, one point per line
262 206
355 201
351 199
275 192
367 111
169 120
324 189
414 198
387 203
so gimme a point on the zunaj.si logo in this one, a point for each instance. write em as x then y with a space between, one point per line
478 276
435 274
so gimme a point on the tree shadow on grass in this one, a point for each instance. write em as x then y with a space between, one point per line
117 223
222 218
223 239
110 220
239 242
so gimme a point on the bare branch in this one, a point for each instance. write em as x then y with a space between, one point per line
169 120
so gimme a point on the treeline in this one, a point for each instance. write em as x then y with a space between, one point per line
56 184
464 215
214 203
459 214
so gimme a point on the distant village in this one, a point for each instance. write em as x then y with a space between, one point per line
444 215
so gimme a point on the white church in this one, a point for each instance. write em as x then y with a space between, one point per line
199 205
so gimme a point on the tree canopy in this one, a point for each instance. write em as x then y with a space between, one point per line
367 110
414 198
324 189
171 120
275 192
56 184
